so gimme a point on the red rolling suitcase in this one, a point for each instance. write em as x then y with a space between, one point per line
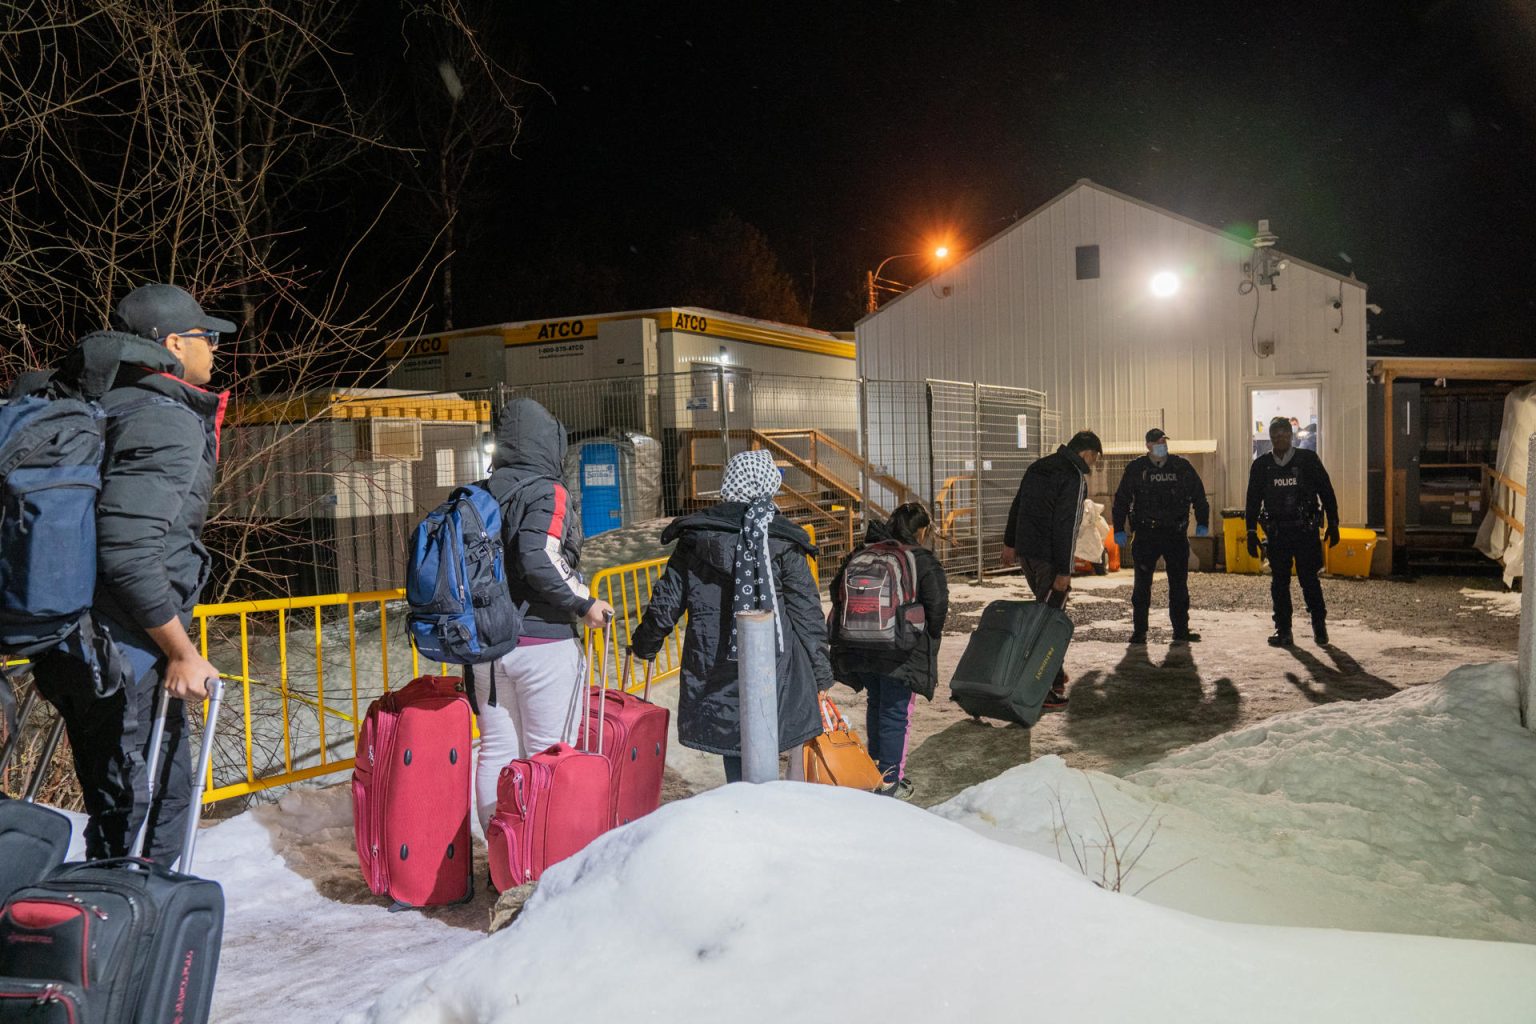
548 807
411 794
632 733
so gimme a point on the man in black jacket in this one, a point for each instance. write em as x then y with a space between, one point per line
162 443
1042 526
1289 492
1154 499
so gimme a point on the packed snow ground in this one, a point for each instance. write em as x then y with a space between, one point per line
1415 813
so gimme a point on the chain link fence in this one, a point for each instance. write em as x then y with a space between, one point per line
320 494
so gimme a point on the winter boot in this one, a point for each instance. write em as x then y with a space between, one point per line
1320 634
1281 638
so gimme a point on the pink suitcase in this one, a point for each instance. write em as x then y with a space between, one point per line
411 794
548 807
632 733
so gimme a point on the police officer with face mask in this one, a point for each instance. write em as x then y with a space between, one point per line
1154 499
1289 493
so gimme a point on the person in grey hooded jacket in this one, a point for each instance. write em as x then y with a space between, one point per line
528 697
716 571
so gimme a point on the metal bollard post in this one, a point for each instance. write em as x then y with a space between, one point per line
758 690
1527 601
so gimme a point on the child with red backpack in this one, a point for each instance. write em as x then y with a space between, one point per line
889 603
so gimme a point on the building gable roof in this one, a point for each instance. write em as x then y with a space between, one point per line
1083 183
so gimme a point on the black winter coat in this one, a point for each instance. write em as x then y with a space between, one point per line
1043 521
161 457
698 581
541 529
917 669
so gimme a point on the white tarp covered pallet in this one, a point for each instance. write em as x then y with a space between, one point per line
1497 539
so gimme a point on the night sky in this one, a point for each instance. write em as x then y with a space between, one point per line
1399 135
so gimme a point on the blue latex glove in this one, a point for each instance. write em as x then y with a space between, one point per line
1120 538
1202 531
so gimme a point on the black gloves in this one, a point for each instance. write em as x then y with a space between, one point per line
1333 535
1253 543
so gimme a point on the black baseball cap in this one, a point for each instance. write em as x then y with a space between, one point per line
1155 434
155 310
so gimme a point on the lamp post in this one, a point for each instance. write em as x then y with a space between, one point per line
874 283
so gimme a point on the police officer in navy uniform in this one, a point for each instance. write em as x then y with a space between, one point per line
1154 499
1290 494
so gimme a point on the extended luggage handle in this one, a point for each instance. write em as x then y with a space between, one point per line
1056 598
199 776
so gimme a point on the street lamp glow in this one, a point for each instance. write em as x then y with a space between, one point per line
942 252
1164 283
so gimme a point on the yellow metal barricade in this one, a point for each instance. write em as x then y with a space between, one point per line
292 658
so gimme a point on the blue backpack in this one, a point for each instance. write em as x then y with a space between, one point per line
456 584
51 450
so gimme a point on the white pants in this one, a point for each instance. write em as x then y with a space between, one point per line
537 688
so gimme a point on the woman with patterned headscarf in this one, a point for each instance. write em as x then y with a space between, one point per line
739 555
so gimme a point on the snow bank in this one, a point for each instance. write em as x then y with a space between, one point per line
792 902
1416 813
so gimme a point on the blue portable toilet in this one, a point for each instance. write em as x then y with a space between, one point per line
602 505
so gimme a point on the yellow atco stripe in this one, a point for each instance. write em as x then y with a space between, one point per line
330 405
582 328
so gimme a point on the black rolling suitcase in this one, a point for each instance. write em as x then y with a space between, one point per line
120 941
33 839
1012 660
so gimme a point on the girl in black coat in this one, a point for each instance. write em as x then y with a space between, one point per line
893 678
737 556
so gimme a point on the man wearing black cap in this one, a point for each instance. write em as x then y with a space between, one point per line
1154 499
1290 494
162 442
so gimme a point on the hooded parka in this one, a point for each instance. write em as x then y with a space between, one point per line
698 581
540 528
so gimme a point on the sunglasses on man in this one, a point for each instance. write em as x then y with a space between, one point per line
211 337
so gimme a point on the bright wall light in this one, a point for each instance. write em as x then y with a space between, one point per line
942 252
1164 283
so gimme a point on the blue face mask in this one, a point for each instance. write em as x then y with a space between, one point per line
1159 451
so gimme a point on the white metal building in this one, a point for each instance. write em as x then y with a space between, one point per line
1130 316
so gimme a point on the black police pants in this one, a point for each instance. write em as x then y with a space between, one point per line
1294 543
109 737
1173 548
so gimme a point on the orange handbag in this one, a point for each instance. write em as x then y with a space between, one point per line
837 757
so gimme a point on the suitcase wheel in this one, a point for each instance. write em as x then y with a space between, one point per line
405 851
453 755
407 755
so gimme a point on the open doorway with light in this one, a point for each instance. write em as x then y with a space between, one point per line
1302 405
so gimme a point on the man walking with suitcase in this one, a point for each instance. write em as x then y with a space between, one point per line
1154 499
1289 493
162 439
1042 527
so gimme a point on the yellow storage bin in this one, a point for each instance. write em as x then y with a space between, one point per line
1352 555
1235 533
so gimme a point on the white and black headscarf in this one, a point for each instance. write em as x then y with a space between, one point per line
753 478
